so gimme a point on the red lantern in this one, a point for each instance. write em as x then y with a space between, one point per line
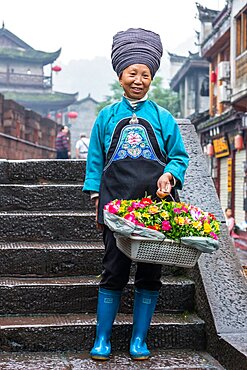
239 142
56 68
72 115
210 150
59 115
213 77
49 115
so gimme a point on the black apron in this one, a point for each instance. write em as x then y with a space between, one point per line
133 165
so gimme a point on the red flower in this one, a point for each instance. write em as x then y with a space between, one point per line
152 227
212 216
146 201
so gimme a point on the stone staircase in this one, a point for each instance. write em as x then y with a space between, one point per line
50 262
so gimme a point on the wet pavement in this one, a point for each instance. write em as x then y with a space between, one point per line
167 360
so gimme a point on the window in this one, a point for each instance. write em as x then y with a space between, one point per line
241 28
204 89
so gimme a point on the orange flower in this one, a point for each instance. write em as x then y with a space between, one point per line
153 209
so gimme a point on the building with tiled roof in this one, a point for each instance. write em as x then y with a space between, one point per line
22 76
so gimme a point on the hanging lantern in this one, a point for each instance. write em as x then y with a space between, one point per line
59 115
239 142
213 77
72 115
56 68
49 115
210 150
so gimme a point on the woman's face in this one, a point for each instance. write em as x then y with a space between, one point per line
135 80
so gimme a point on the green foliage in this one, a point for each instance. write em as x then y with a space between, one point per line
164 97
116 95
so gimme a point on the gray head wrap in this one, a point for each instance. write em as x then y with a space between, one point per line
136 46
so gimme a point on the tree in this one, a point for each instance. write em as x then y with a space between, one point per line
164 97
117 93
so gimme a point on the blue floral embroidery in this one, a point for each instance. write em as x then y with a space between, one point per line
134 142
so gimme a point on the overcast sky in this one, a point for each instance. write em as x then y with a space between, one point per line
84 28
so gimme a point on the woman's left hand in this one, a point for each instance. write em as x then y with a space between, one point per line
164 182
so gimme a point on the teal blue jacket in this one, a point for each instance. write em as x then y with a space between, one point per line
165 128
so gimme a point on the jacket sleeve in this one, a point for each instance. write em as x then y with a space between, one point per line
95 158
177 157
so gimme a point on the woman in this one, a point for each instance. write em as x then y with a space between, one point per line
135 149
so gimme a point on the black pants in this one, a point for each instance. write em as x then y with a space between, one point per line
62 154
116 266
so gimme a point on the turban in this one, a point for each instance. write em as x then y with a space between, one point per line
136 46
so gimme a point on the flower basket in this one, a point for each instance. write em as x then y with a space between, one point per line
167 251
169 233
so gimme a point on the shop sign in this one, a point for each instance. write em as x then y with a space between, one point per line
221 147
229 175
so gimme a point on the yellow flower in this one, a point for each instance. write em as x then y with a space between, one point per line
121 209
207 227
153 209
217 226
137 214
197 225
157 226
165 214
146 215
181 220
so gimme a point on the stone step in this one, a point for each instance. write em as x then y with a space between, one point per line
53 259
42 170
79 294
76 332
160 359
50 259
50 197
47 226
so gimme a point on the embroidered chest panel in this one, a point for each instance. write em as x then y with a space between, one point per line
134 142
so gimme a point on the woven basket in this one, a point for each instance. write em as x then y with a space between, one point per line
166 252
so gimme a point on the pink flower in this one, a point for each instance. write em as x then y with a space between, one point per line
113 208
213 235
134 138
184 209
130 209
177 210
136 205
195 213
130 217
166 226
140 224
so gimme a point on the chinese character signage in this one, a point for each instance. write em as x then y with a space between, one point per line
229 175
221 147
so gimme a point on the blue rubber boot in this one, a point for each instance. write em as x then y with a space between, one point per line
108 303
144 306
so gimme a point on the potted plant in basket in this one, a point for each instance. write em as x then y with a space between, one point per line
156 229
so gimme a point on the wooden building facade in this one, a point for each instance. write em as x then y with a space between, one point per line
222 127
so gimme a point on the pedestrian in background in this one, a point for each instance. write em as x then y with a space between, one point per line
81 147
230 223
135 148
62 143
